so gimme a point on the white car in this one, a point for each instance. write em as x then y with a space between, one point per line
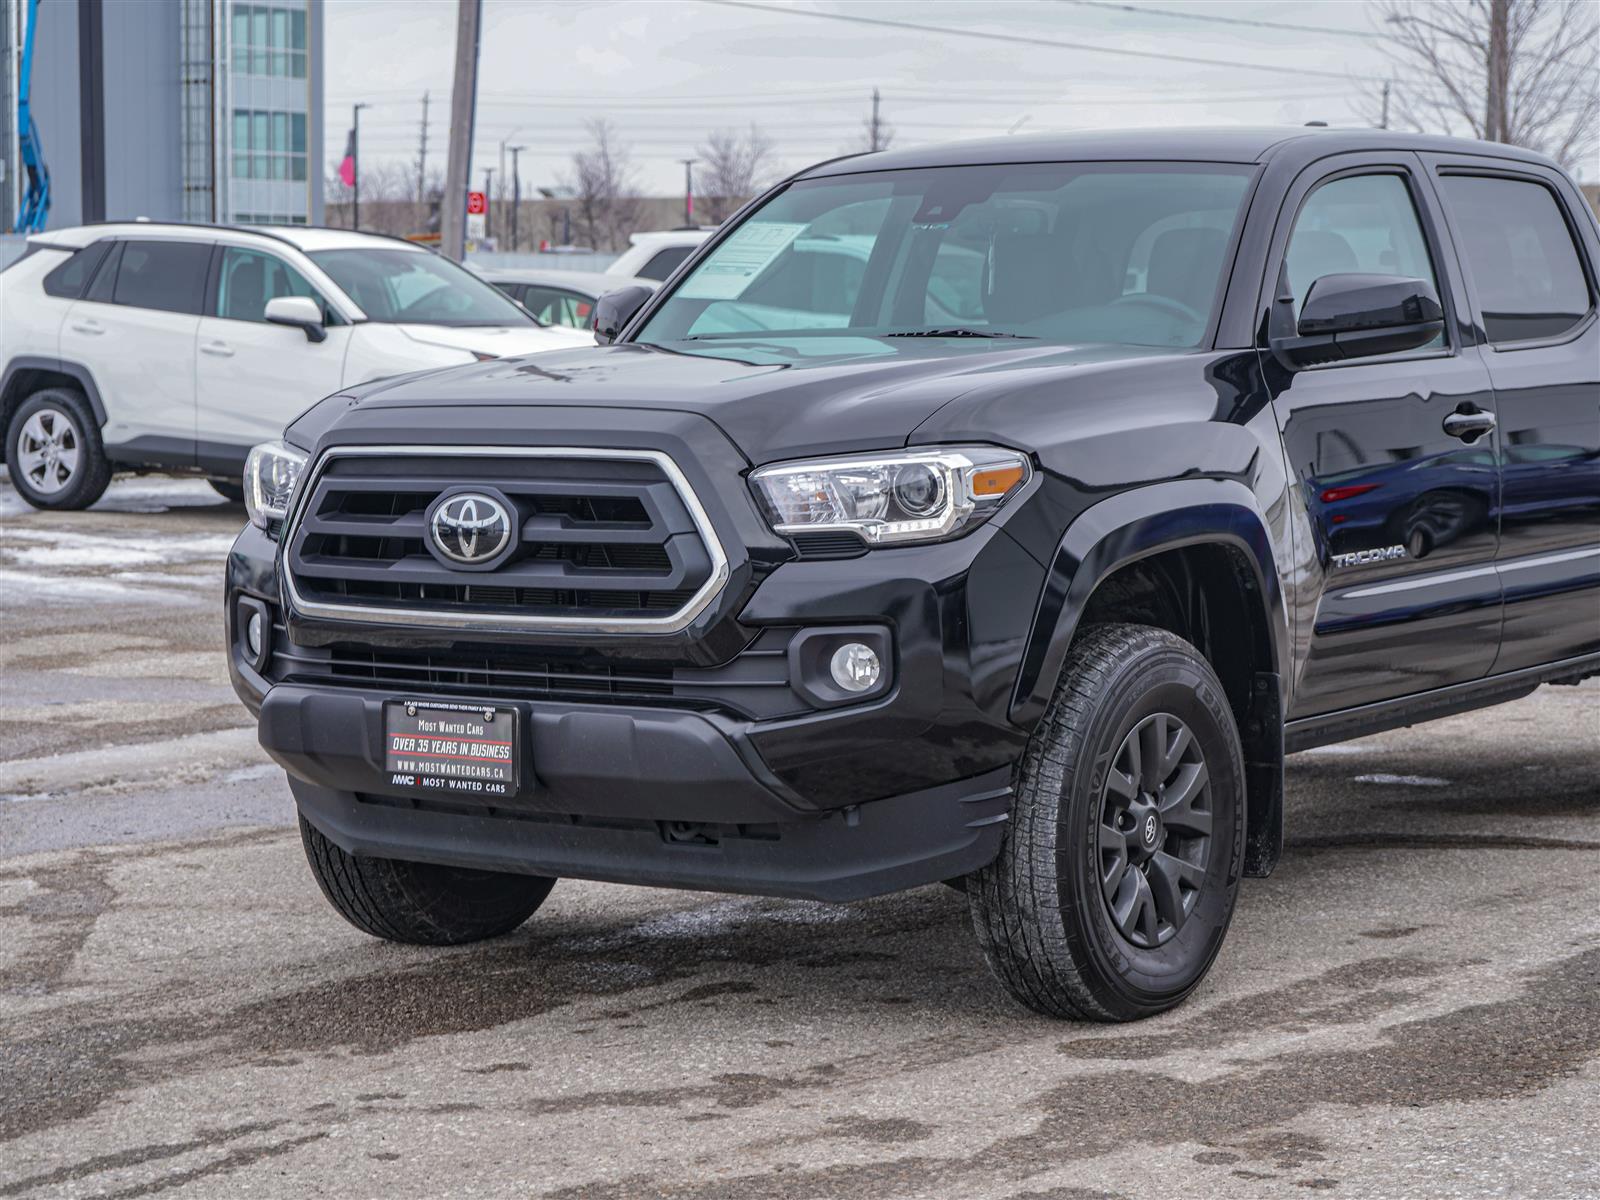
657 254
559 297
146 346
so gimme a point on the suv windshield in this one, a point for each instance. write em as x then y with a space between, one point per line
1129 253
418 288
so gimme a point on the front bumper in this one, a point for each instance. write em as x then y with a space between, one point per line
829 801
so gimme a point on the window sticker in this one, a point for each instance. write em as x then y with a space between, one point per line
734 265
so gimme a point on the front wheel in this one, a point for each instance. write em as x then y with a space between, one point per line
421 903
53 451
1118 874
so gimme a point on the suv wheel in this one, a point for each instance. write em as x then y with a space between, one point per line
229 489
53 451
421 903
1117 878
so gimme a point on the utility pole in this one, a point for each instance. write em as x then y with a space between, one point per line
502 168
688 189
355 165
488 211
1384 123
422 155
873 131
516 192
463 110
1495 97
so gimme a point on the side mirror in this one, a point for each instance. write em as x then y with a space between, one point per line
1355 316
302 312
614 310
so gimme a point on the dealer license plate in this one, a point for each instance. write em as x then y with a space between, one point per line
456 749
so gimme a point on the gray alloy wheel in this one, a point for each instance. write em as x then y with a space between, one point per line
53 450
50 449
1155 830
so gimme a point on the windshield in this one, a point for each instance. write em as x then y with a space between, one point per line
1129 253
416 287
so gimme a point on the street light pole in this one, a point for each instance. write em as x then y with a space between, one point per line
355 165
516 193
488 213
688 189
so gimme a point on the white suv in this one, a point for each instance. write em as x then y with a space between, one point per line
151 346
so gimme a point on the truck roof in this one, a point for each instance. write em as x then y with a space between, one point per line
1229 144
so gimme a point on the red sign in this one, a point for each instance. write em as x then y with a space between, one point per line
477 203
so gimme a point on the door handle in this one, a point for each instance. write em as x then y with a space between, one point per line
93 328
217 349
1469 423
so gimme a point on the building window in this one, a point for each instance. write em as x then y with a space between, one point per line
269 40
269 145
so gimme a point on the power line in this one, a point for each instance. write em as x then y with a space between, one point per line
1018 39
1141 10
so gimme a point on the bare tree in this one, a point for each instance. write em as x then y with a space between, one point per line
389 199
1515 71
734 167
876 133
604 192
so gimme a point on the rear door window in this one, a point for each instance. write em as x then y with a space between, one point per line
665 262
1521 260
167 276
71 279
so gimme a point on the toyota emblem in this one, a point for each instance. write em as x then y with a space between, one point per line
470 528
1151 824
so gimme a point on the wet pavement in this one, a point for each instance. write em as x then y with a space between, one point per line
1410 1006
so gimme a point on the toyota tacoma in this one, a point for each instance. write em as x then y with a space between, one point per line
998 514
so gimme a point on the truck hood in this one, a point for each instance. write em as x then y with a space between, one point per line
863 394
502 341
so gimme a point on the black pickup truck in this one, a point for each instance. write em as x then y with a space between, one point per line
998 513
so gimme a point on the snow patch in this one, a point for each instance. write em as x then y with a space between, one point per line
1404 780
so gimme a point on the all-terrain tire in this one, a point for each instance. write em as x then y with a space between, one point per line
58 419
421 903
1041 910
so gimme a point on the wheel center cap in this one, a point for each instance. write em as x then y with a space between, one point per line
1150 831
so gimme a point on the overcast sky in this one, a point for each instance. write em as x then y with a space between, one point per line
665 72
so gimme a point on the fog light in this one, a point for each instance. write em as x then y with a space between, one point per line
855 667
252 636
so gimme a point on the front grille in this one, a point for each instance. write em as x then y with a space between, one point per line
754 684
605 540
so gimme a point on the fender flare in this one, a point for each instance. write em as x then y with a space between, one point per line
80 373
1123 529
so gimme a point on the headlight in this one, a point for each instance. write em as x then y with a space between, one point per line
900 496
270 475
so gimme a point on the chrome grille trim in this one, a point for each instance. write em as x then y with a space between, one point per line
509 622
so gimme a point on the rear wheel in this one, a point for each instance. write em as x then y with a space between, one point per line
421 903
1117 878
53 451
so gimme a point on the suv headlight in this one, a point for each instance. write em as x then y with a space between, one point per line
271 474
895 497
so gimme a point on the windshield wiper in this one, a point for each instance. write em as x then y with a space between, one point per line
956 332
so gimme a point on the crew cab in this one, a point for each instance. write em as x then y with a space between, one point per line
1245 441
178 347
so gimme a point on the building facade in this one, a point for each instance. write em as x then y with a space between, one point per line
197 110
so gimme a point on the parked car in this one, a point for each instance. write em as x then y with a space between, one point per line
656 255
1249 441
559 297
180 346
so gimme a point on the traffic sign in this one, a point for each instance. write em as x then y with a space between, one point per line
477 202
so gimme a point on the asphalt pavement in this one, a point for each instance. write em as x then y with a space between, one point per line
1408 1007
